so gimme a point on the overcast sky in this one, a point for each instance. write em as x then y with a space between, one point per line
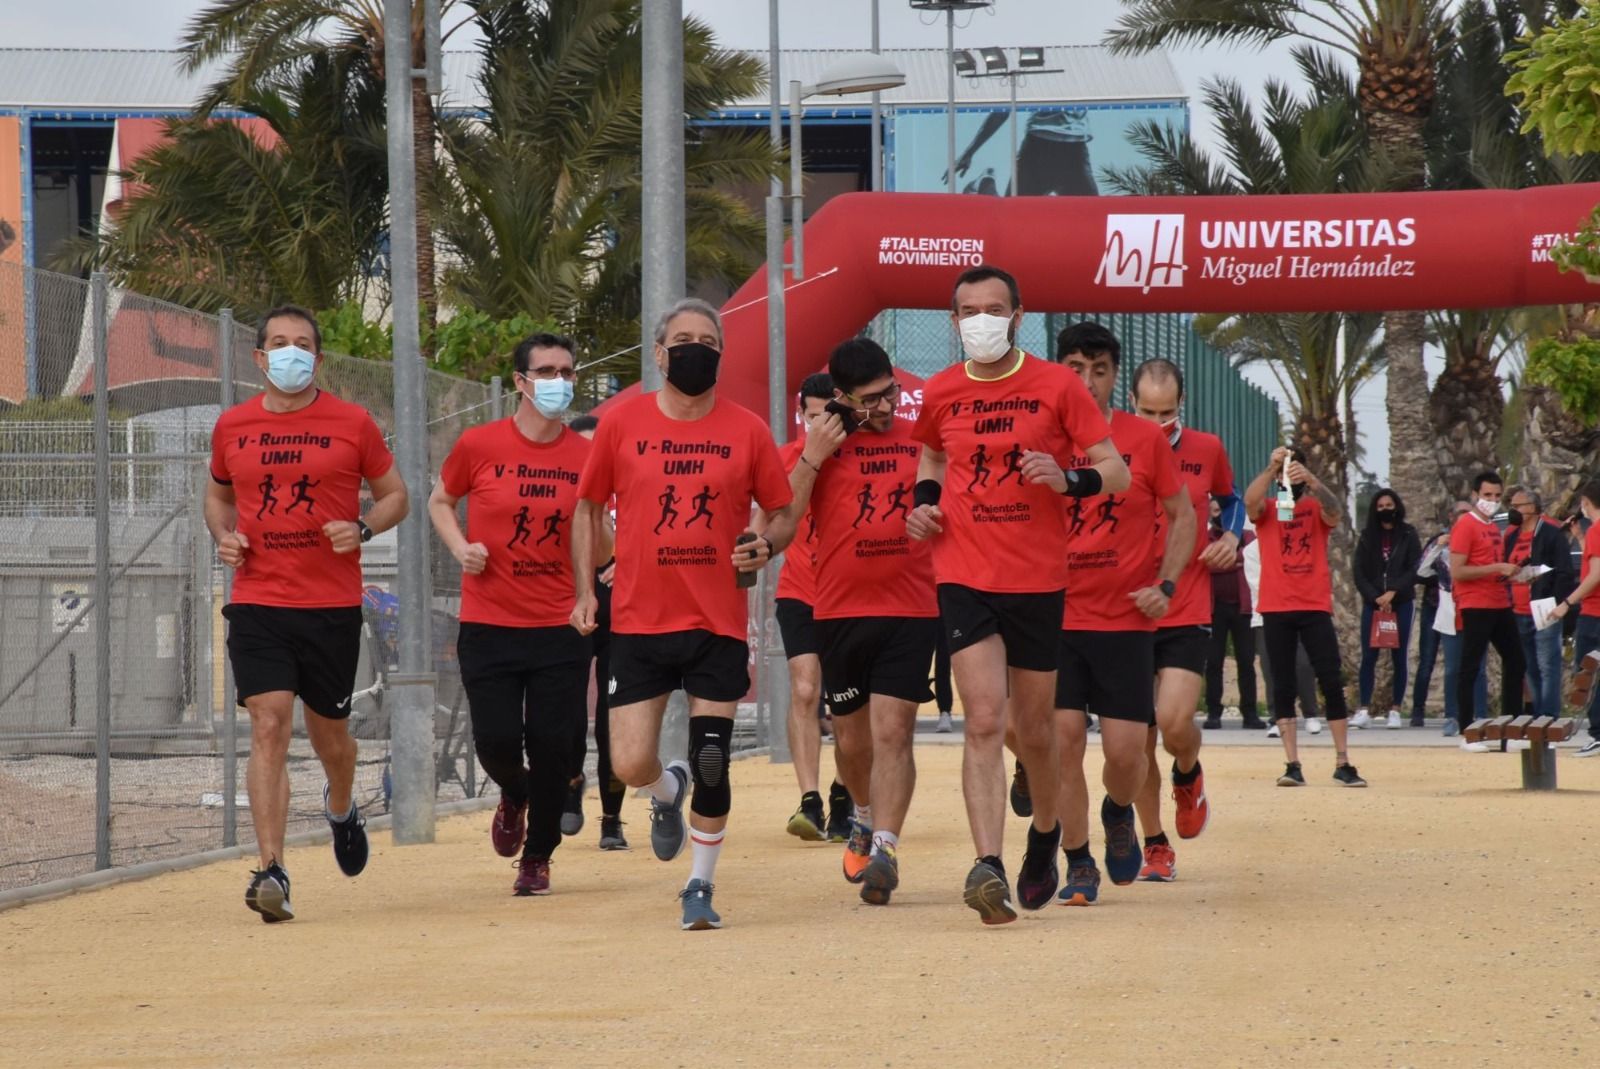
743 24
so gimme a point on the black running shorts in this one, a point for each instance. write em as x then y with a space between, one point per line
797 627
715 668
1028 624
1183 647
1107 673
888 655
310 652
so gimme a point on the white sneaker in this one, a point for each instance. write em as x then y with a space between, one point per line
1393 723
1273 732
1314 725
1588 749
945 726
1362 719
1230 710
1476 747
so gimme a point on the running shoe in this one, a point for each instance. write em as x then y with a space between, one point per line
510 826
1588 749
1313 725
882 876
1362 719
533 877
807 822
1451 729
988 892
350 847
1392 721
840 809
1039 876
1347 775
572 810
1021 800
1253 722
1292 776
611 837
1083 883
268 894
1274 732
1478 747
1192 805
698 916
1418 720
667 832
1123 856
1212 723
946 725
1160 864
857 851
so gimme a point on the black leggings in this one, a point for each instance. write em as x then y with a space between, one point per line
1283 631
943 697
527 687
1226 619
611 788
1481 628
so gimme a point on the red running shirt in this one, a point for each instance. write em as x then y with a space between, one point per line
292 472
1203 466
520 498
683 490
1591 549
1294 559
866 563
1521 593
1111 538
1480 541
798 579
1002 535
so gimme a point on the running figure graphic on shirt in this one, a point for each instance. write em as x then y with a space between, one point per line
897 501
301 486
865 498
702 507
269 499
521 534
1075 514
1106 512
1014 457
666 500
980 468
1305 544
552 527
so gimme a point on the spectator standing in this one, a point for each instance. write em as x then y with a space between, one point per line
1386 560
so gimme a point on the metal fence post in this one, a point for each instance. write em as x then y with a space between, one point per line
230 706
102 577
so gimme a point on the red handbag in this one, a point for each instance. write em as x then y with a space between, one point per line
1385 633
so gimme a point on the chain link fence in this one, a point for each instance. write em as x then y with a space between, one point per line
150 766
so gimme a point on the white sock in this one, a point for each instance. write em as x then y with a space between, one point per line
705 845
664 789
885 839
864 815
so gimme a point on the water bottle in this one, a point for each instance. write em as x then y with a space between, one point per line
1285 494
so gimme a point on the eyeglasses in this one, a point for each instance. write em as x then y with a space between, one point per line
872 400
550 374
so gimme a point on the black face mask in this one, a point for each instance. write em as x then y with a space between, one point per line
1513 518
692 367
1298 490
1386 516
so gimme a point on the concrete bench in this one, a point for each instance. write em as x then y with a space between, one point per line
1538 759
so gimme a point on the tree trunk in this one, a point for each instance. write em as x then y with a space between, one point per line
1556 452
1467 410
1413 458
422 151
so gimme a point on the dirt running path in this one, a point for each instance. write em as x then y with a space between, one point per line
1439 918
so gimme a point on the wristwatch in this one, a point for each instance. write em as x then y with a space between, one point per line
1168 588
366 532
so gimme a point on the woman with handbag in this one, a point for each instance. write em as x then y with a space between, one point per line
1386 575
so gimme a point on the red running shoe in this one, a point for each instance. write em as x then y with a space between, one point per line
1193 810
1160 864
510 827
533 877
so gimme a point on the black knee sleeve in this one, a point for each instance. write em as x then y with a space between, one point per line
709 739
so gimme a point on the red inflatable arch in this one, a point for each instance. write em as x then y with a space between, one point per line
866 252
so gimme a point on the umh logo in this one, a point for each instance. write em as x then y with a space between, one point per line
1143 251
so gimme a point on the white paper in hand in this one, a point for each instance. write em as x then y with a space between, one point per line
1529 572
1544 613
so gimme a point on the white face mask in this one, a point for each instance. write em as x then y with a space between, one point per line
986 338
1486 508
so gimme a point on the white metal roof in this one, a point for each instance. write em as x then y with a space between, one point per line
117 80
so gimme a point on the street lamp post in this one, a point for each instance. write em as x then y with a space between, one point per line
1029 61
950 7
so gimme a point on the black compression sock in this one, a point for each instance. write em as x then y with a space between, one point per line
1156 840
1078 853
1183 779
1044 840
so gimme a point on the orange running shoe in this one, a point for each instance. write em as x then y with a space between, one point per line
857 851
1160 864
1193 809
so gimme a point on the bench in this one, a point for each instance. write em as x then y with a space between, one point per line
1538 760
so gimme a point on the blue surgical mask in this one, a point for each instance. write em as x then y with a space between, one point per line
290 368
551 396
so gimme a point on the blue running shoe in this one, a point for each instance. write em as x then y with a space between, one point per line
698 916
1123 856
1083 883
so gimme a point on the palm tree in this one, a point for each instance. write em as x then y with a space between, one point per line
218 218
541 205
1395 45
263 38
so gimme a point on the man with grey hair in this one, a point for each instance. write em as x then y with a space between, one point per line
1532 538
678 608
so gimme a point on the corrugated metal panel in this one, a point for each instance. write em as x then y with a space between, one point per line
129 80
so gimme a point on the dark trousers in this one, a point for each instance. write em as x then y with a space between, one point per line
1369 655
611 788
1284 631
528 687
1226 620
1427 653
1480 629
